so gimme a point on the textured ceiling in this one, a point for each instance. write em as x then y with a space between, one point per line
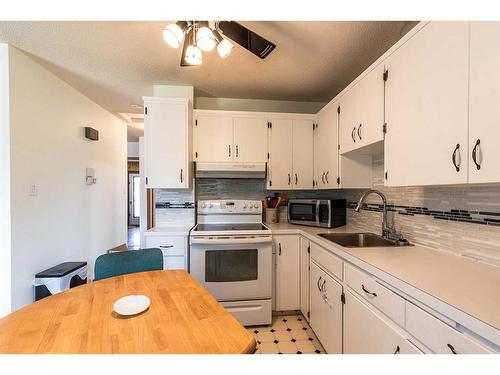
116 63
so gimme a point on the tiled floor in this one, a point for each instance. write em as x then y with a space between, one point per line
289 334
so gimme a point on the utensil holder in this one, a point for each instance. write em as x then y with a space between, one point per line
272 215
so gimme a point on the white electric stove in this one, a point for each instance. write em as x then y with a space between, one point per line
231 256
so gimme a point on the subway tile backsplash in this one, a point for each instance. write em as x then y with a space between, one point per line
461 219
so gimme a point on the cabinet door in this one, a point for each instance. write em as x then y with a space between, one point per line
326 148
348 121
250 139
166 136
280 155
214 138
426 107
303 154
287 272
367 332
370 108
326 309
304 277
484 110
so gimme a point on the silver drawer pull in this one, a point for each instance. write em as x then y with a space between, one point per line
367 291
452 348
166 246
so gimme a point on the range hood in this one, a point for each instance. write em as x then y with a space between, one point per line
230 170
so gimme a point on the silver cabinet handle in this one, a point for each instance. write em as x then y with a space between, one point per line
359 131
477 156
323 177
367 291
352 134
236 150
317 283
181 176
289 179
166 246
326 177
279 246
455 157
296 179
229 150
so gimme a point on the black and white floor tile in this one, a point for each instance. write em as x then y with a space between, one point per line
289 334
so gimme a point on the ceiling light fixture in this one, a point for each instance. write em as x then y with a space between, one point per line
198 36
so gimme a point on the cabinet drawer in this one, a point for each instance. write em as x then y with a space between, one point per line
173 263
327 260
169 245
438 336
379 296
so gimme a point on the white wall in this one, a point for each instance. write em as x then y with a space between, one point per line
133 149
68 220
5 227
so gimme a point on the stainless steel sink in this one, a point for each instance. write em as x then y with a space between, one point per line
362 240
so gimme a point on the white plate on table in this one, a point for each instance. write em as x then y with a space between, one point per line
131 305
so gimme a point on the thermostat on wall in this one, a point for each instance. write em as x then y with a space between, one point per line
91 133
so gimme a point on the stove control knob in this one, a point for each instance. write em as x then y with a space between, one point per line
244 205
256 205
210 205
203 205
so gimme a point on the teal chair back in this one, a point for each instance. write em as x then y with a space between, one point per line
123 262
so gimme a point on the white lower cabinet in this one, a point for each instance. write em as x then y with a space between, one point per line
369 332
174 249
305 250
326 309
287 249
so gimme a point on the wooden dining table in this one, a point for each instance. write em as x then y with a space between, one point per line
182 318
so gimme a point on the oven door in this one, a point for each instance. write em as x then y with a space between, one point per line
233 268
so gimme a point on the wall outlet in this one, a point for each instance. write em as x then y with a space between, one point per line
33 190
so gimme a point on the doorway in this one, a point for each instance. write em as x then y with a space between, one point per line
134 199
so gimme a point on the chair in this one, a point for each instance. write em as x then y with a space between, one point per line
121 263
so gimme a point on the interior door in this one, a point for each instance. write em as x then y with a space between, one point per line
426 107
250 139
303 154
326 148
484 110
280 155
326 309
165 132
370 107
214 138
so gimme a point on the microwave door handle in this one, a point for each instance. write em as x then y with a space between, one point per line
229 241
317 212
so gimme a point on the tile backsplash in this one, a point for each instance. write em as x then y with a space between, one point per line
426 215
174 207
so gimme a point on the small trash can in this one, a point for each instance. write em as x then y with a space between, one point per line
59 278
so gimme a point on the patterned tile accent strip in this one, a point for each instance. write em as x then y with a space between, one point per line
174 207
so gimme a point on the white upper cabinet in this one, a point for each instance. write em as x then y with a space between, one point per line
484 100
290 154
348 121
280 166
302 154
326 161
214 136
250 139
168 142
362 112
370 108
426 107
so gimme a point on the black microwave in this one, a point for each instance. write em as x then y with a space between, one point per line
327 213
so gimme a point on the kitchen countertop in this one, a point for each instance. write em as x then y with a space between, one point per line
433 277
169 231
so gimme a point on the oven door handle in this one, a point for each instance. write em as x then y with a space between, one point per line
230 241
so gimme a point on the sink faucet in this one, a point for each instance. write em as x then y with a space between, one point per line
386 231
